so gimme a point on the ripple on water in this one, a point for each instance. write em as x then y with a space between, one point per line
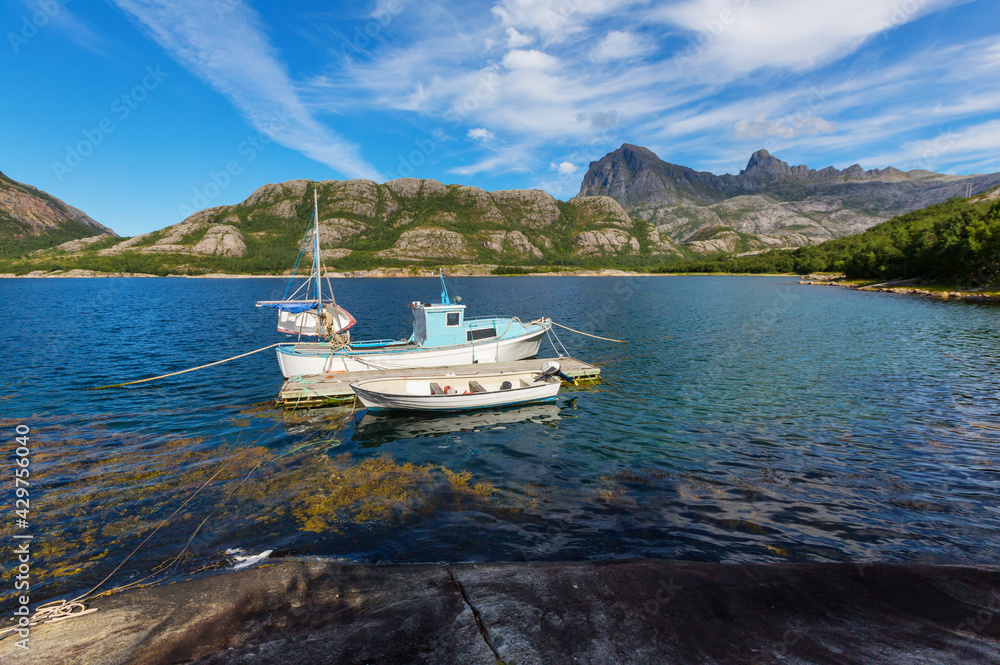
749 419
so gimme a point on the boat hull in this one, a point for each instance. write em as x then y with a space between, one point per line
402 394
305 360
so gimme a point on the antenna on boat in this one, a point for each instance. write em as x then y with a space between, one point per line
445 300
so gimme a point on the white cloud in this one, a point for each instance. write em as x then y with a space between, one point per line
516 40
788 127
741 36
563 168
971 103
558 20
59 17
976 141
754 81
229 51
505 160
991 57
480 134
617 45
530 60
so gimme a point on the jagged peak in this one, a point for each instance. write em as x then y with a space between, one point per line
762 160
630 153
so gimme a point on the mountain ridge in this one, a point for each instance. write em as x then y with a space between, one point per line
31 218
363 224
767 204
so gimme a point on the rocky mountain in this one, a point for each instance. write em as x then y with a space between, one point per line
769 203
31 218
364 224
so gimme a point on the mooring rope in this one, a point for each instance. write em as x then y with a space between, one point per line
61 610
606 339
184 371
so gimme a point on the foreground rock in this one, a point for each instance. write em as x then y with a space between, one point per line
655 612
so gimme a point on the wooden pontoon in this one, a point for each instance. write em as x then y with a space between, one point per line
335 388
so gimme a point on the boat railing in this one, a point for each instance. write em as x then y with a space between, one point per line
378 342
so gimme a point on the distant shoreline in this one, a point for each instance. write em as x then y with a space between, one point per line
908 287
382 273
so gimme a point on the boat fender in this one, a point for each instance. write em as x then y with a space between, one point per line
505 385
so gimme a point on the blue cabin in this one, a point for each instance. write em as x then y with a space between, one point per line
445 325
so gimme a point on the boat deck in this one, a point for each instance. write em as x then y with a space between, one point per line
335 388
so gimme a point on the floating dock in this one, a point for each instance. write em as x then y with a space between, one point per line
335 388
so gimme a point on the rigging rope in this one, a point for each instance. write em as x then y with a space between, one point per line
606 339
298 258
184 371
61 610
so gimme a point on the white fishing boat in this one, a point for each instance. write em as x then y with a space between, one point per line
452 392
442 335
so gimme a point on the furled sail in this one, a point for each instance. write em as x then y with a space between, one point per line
309 310
298 317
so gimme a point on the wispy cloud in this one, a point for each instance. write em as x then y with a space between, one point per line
224 44
504 159
742 36
58 16
977 144
618 45
551 66
703 81
480 134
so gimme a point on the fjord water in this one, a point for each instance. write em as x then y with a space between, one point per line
748 419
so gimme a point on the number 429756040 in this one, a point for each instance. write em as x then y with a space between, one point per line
22 473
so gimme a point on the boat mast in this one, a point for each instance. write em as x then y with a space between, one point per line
316 252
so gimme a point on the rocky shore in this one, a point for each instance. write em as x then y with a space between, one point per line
636 612
902 286
452 271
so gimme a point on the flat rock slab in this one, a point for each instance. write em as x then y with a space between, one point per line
662 612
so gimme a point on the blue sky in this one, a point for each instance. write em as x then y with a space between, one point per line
141 111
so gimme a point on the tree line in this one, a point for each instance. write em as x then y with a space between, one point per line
957 241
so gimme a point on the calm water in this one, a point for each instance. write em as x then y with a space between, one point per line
749 419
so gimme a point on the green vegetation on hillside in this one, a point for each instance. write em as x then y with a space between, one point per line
414 224
957 241
16 240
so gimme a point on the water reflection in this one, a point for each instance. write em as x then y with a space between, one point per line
749 420
374 430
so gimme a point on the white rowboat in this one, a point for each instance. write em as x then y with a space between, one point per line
452 392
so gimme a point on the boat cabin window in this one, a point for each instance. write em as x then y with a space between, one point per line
481 333
452 319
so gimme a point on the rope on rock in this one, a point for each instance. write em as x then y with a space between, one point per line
60 610
606 339
184 371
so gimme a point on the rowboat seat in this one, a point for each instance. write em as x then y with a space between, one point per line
476 387
436 389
